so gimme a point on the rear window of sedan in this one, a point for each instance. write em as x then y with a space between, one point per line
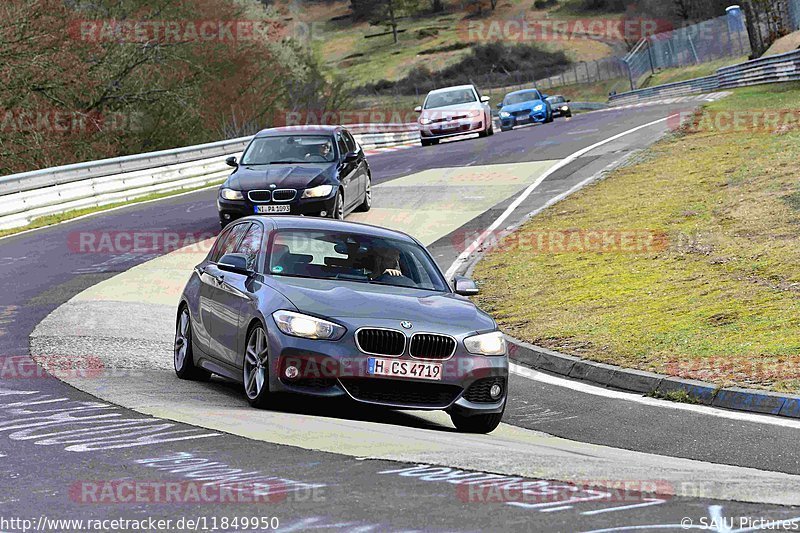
353 257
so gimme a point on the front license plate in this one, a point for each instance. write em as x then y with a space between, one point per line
261 209
404 369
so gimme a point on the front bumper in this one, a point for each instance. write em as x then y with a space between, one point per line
519 120
340 369
451 129
230 210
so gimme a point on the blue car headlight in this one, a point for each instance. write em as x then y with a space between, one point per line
538 107
307 327
504 114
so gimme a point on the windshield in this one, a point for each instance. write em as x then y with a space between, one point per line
555 99
518 98
454 97
353 257
289 149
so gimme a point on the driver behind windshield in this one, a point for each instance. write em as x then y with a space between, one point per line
387 263
319 153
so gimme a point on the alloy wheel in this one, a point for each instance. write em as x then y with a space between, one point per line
181 339
256 363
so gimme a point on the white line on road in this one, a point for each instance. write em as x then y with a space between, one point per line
645 400
521 198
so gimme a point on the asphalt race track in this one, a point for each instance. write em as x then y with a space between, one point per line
342 467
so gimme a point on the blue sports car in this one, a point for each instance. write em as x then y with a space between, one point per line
524 107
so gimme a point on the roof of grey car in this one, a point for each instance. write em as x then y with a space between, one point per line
305 130
296 222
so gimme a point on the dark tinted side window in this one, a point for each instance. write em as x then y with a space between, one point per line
342 146
251 245
350 141
230 241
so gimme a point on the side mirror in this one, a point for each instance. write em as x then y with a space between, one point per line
464 286
236 263
418 109
567 100
349 157
485 99
231 162
500 105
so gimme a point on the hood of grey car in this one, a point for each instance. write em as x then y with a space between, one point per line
333 298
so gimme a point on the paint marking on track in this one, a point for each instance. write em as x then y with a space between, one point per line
652 402
463 256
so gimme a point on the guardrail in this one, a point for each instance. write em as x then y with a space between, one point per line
771 69
30 195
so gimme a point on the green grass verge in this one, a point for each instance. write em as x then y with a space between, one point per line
49 220
721 302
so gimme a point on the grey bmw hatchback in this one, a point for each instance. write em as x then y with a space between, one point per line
337 309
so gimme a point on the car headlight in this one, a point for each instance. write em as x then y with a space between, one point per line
320 191
564 108
538 107
486 344
473 113
425 121
307 327
504 114
231 194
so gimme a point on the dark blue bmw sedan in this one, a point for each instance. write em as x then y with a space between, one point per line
331 309
297 170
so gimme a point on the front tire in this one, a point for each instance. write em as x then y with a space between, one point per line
183 355
476 423
429 142
255 368
337 213
367 203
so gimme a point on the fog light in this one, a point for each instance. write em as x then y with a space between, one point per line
495 391
323 213
226 216
291 372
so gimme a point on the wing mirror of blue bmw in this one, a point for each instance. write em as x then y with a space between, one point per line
236 263
464 286
231 162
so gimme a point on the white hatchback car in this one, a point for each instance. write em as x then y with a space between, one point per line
454 111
